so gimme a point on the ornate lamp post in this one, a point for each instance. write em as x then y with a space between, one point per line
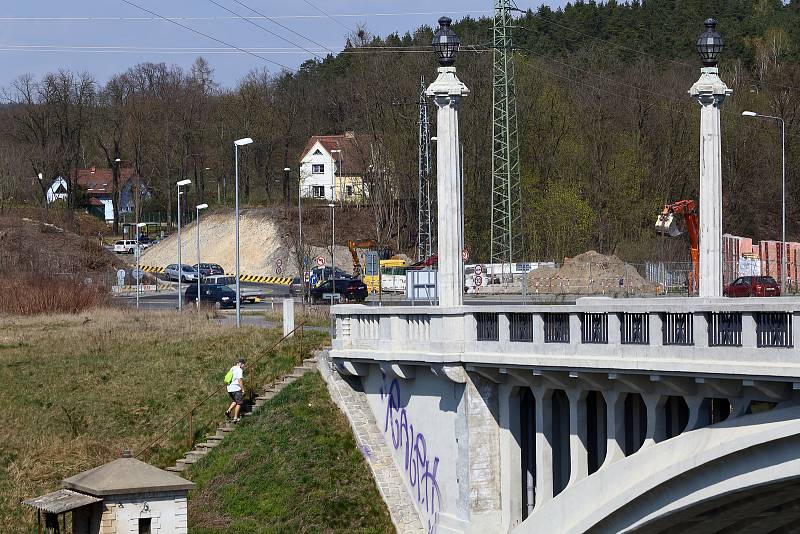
710 92
447 92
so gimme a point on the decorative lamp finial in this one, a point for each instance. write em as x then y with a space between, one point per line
445 43
710 44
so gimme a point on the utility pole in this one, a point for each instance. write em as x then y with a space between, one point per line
425 236
506 226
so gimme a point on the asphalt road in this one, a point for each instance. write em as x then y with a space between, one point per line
168 300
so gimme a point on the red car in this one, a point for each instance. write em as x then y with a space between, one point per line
753 286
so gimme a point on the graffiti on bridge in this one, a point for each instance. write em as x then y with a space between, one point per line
419 469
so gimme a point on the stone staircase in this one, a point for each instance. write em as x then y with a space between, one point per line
212 440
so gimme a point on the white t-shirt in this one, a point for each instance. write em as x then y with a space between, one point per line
237 374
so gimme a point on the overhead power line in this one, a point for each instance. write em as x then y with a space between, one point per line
257 25
223 18
328 15
198 32
272 19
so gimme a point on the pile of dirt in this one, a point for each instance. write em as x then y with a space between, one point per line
29 246
590 273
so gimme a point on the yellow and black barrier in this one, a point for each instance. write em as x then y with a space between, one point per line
278 280
151 269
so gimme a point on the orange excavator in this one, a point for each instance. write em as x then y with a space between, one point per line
353 245
666 224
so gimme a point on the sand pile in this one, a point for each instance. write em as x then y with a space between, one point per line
590 273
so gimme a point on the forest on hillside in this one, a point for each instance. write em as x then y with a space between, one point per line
608 133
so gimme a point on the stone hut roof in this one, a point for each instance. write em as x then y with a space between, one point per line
126 475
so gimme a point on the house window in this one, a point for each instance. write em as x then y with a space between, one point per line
318 191
145 525
349 190
318 168
317 152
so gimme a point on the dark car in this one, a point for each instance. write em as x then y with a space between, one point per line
348 289
216 295
753 286
297 286
209 269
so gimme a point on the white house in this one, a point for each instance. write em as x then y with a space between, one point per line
332 167
57 190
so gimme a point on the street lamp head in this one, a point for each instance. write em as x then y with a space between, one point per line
117 160
243 141
286 169
445 43
201 206
331 205
709 44
749 114
184 182
141 225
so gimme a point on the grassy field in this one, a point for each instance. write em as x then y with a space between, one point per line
75 390
294 467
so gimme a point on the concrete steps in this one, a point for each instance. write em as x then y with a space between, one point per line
200 450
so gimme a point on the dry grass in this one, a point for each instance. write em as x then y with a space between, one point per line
75 390
31 295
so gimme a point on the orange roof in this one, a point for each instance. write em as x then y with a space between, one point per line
355 150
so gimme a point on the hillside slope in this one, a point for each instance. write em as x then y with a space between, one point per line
262 244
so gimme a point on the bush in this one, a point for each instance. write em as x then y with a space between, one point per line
32 295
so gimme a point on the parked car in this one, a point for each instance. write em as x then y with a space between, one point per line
216 295
208 269
297 286
125 246
248 292
753 286
186 273
348 289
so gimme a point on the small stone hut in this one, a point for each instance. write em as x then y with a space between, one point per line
125 495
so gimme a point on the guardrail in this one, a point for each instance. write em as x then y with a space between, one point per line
682 335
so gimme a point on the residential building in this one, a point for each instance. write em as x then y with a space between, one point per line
98 184
333 167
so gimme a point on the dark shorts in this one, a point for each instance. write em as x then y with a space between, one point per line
236 396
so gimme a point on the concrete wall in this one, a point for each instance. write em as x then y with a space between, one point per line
167 511
418 418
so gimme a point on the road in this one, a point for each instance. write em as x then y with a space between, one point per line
168 300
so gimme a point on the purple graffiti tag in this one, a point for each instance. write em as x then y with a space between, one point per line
419 474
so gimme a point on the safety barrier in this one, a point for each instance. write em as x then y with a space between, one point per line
278 280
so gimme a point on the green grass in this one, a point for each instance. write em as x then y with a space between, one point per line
75 390
293 467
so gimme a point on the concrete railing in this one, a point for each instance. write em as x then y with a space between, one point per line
734 336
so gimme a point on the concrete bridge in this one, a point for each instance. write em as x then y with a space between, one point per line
608 415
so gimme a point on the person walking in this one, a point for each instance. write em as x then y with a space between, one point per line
236 389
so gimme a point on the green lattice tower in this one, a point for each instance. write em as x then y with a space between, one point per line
506 233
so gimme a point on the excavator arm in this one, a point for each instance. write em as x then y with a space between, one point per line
353 245
666 224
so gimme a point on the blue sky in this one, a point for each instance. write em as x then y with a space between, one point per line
103 37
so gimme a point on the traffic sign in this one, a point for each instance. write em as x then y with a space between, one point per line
306 261
121 277
278 270
313 280
478 270
137 274
465 254
320 261
279 262
478 281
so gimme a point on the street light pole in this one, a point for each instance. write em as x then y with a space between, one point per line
197 222
333 246
333 189
180 266
237 144
783 190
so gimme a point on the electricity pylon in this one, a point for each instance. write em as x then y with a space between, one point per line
425 239
506 232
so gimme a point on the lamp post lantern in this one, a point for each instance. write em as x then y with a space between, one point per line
447 91
783 190
239 142
180 265
197 222
710 92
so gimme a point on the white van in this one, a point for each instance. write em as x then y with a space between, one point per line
126 246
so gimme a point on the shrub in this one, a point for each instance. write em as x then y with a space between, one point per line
32 295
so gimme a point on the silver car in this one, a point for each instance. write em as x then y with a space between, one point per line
186 273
